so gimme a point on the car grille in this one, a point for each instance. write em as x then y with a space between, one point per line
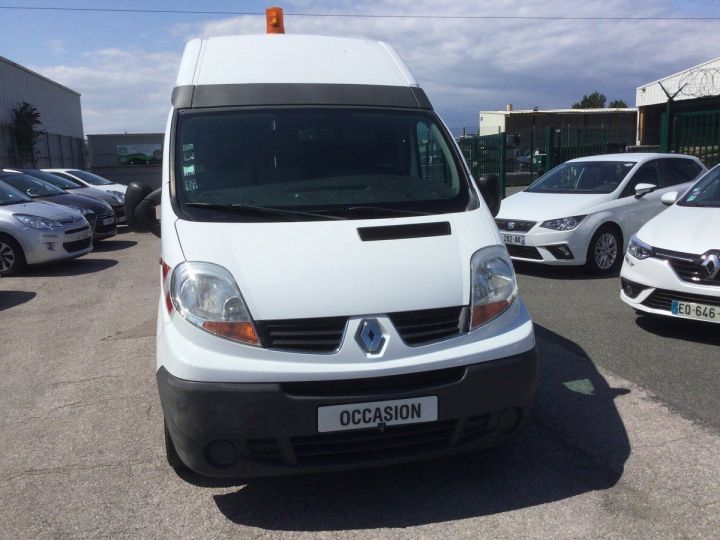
325 334
119 210
662 299
688 267
420 327
524 252
77 245
517 226
371 444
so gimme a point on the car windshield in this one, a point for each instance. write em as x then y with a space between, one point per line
315 164
10 195
706 192
90 178
583 177
55 180
32 187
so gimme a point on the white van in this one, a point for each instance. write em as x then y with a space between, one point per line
334 290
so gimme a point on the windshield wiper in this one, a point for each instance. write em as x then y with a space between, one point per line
242 208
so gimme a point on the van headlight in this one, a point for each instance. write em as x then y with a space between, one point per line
493 286
638 249
206 295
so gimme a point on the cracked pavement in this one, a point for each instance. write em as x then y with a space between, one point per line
624 442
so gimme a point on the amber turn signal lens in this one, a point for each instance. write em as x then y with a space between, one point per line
238 331
485 312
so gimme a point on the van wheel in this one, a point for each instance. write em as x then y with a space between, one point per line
171 454
604 253
12 258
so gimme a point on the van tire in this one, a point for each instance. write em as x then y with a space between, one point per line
171 454
12 257
604 253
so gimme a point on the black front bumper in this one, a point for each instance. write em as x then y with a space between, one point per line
270 429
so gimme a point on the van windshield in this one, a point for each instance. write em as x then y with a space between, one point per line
315 164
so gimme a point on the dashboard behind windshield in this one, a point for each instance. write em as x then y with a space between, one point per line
706 192
326 160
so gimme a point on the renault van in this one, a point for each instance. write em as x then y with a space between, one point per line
334 290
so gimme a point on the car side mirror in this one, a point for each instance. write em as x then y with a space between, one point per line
644 189
668 199
141 204
489 186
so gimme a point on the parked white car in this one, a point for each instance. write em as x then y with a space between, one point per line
672 266
88 179
585 210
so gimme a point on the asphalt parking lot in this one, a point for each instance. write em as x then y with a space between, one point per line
624 441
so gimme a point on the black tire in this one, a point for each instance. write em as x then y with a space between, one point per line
12 257
604 254
171 454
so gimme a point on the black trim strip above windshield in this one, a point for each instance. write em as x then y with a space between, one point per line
260 94
401 232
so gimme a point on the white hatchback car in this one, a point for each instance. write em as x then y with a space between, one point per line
585 210
672 266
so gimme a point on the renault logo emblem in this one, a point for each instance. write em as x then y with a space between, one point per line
711 264
370 336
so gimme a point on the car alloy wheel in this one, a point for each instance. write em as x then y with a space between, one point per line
12 258
606 251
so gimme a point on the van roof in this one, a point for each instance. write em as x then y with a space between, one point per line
254 62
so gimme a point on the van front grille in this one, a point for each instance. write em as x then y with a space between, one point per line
303 335
426 325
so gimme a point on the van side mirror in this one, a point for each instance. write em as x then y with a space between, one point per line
668 199
141 203
489 185
644 189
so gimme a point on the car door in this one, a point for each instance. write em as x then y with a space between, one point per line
631 212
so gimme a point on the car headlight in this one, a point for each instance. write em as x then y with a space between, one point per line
493 286
119 194
638 249
37 222
206 295
83 211
563 224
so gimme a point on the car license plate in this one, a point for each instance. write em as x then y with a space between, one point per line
377 414
515 239
691 310
82 235
107 221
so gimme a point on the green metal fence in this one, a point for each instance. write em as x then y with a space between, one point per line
570 143
696 134
485 155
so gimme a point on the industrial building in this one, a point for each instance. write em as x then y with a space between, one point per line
61 141
529 125
681 112
127 157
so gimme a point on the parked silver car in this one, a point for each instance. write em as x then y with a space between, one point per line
38 232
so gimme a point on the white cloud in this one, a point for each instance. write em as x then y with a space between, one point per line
465 65
121 89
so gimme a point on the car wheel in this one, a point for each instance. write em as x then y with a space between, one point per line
171 454
605 251
12 258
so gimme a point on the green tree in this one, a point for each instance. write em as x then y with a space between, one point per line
596 100
617 104
26 119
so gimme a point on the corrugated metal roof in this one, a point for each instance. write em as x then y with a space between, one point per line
31 72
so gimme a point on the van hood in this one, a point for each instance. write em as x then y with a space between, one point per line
324 269
544 206
683 228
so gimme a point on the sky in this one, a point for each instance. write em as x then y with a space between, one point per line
124 64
